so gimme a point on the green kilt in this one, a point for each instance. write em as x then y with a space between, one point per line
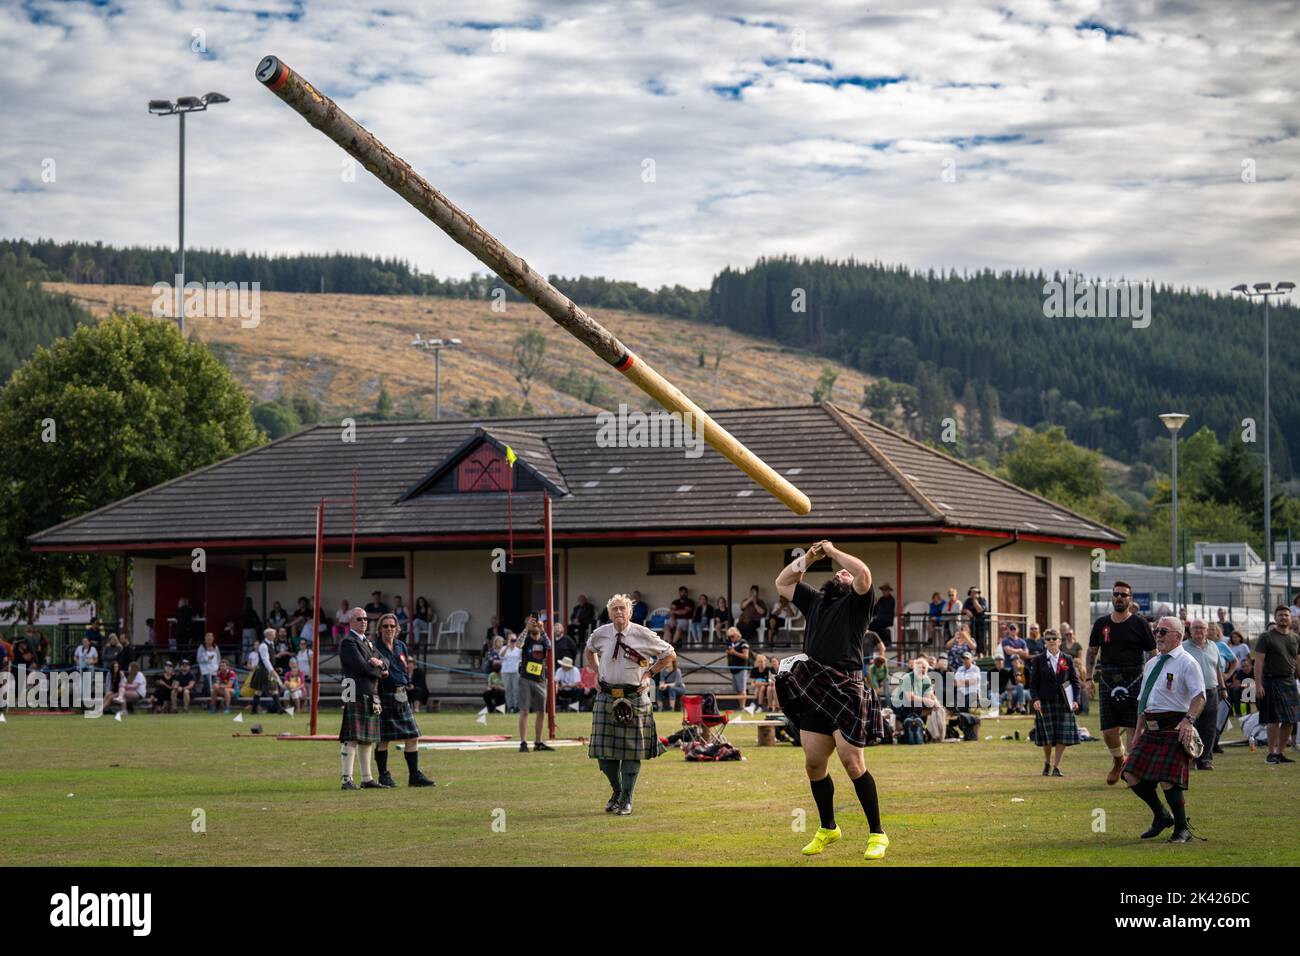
635 741
397 722
359 722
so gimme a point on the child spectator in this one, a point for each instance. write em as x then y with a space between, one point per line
295 684
223 686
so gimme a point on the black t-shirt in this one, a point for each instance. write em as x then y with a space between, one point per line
835 627
532 659
1122 645
183 680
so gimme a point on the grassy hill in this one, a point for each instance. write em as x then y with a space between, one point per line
336 347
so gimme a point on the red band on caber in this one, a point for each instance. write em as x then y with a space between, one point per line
625 363
279 78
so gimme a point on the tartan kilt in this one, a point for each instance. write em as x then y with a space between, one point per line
1280 703
396 722
1158 756
359 723
638 740
260 679
1056 724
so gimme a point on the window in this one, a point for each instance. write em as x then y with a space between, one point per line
1207 561
672 562
1234 560
483 469
384 567
821 564
274 568
1220 560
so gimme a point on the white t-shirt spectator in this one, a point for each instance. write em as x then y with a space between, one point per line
304 661
968 679
137 684
252 659
208 659
510 660
568 675
86 657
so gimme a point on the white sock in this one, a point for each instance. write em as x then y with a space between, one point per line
349 755
365 751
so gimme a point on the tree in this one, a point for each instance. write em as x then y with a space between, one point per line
276 419
384 404
825 386
1049 464
528 351
113 409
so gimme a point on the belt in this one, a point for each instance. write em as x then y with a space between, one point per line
1164 720
621 690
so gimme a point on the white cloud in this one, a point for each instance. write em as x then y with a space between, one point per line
1114 147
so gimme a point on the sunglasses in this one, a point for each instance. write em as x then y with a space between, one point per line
1123 594
1164 630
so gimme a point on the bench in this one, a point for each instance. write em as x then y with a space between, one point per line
766 729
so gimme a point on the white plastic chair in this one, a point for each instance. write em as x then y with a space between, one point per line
455 624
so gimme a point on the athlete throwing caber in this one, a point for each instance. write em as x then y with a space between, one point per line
822 691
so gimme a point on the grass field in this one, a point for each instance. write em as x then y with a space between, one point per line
100 792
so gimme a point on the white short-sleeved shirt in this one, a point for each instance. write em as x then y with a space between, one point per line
1173 696
510 659
621 669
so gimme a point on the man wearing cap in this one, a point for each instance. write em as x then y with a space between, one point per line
1171 700
1277 654
396 722
978 609
626 657
362 667
568 683
882 619
183 687
1123 641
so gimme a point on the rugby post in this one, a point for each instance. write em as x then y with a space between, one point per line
324 114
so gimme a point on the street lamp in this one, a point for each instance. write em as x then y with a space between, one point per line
1263 291
1173 421
436 346
183 105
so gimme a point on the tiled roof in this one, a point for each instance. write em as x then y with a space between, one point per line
857 474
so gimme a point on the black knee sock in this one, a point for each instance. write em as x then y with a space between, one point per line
865 785
627 775
823 792
1147 791
381 758
1174 797
610 769
412 762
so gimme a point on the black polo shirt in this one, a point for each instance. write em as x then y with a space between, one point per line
1122 645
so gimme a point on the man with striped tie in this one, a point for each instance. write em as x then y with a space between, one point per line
1173 695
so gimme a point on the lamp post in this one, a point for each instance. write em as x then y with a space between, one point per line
1263 291
436 346
179 107
1173 421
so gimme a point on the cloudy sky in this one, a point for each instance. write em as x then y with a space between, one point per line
1106 137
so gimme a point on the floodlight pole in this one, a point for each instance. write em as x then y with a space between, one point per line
180 310
550 612
315 616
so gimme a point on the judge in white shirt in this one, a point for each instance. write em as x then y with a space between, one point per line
1172 697
625 656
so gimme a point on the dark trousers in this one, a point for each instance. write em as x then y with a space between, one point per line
1206 725
563 698
494 697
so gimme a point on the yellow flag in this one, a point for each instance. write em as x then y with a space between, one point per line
511 457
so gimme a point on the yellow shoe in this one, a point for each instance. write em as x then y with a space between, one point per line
877 843
821 840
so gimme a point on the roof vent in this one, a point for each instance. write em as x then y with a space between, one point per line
745 494
398 441
591 484
794 471
681 488
615 470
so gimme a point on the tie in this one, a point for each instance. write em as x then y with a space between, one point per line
1151 682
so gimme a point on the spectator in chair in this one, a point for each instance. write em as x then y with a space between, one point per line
782 614
494 694
753 611
590 685
277 617
966 681
376 606
403 618
113 683
112 649
295 684
568 682
914 693
723 616
671 687
680 614
86 656
164 689
183 686
493 651
422 620
700 618
737 659
223 687
132 688
640 610
1015 695
1013 645
877 671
